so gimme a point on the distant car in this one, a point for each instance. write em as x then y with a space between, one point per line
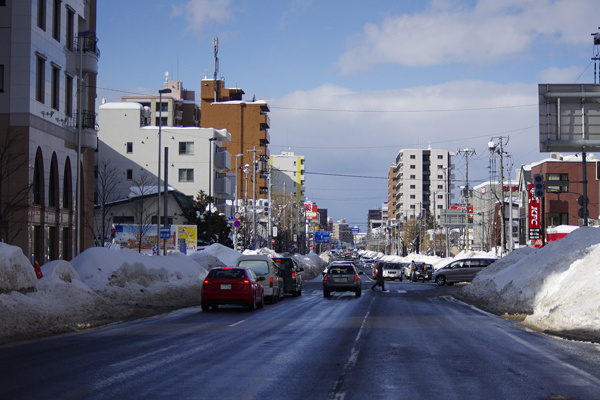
342 277
420 276
238 286
392 271
265 267
463 270
292 281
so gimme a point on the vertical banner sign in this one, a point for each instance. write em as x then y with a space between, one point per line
534 218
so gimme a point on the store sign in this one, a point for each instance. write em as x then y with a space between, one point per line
534 217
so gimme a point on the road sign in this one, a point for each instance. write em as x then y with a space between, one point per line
237 215
165 233
237 223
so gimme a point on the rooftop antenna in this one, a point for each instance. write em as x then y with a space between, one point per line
216 50
596 56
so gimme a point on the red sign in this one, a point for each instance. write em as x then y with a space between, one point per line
312 213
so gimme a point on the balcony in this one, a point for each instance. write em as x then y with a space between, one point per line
264 142
222 158
264 122
223 186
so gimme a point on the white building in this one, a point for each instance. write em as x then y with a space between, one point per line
422 183
131 146
45 46
287 175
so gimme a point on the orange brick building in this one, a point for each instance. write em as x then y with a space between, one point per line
246 121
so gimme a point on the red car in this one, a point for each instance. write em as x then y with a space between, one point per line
235 285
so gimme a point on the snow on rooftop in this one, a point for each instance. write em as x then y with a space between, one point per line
123 105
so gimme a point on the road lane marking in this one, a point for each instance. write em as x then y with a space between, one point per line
239 322
402 291
339 395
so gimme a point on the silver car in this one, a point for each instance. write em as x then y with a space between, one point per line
342 277
265 267
463 270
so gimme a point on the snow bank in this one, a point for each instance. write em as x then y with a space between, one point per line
557 285
16 272
225 254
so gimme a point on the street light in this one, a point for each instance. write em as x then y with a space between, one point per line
246 171
80 35
160 93
235 203
210 176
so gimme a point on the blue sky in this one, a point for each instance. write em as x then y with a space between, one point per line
350 83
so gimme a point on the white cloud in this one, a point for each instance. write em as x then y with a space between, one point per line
561 75
450 32
200 12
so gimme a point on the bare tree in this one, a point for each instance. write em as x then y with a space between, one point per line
13 193
142 203
107 180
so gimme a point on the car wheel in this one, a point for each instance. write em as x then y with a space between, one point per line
205 307
326 293
262 302
440 280
252 306
300 292
358 292
400 278
274 298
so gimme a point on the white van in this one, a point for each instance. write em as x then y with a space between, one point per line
265 267
463 270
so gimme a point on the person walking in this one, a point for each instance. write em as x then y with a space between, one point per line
413 271
424 272
380 281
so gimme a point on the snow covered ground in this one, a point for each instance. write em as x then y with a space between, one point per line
104 285
556 287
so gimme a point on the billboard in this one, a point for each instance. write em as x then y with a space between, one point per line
311 211
569 117
127 236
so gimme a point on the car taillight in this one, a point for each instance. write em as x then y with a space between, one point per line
271 282
325 278
246 281
206 281
355 277
293 274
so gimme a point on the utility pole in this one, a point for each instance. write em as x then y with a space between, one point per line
467 153
253 242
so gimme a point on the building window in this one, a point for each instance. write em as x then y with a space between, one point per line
129 147
440 196
413 186
40 79
440 176
413 157
412 206
186 148
1 77
556 219
161 121
440 186
68 95
186 175
123 220
70 31
2 3
54 94
439 206
440 157
413 167
557 183
129 174
41 14
412 196
413 177
56 20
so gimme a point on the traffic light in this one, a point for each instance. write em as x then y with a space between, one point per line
112 233
583 201
538 185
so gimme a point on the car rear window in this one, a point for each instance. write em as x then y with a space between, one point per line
260 267
341 269
227 273
284 264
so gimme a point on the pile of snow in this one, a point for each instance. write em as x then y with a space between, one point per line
557 285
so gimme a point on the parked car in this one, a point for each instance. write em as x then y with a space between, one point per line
342 277
463 270
238 286
292 281
265 267
392 271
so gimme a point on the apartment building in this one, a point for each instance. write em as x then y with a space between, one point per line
287 176
192 158
422 183
246 121
342 233
46 47
392 194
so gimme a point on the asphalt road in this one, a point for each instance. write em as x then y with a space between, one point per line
412 342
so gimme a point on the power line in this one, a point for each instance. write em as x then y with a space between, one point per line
405 111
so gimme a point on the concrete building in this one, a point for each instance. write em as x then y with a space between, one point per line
342 232
287 176
45 47
422 183
246 121
392 194
129 144
178 108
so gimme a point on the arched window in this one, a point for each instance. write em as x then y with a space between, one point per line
38 179
53 183
67 194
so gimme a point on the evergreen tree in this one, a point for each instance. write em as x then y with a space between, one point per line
200 215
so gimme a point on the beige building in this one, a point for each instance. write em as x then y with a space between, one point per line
46 129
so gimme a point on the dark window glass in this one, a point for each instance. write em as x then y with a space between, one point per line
41 14
55 96
40 79
56 20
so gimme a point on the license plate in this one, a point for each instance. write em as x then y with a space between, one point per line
339 279
225 286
